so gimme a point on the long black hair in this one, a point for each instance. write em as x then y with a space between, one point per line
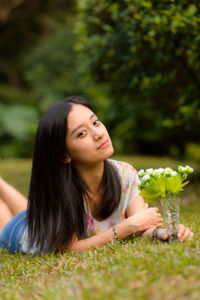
56 211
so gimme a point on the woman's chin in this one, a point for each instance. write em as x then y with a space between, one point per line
109 152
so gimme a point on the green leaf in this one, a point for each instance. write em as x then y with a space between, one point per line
183 184
149 196
155 190
173 184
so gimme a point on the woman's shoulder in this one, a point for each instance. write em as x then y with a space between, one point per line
122 166
129 182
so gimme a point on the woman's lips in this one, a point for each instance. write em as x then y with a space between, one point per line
104 145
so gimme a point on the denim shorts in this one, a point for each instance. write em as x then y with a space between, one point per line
11 234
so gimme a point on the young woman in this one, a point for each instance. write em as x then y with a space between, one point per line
78 197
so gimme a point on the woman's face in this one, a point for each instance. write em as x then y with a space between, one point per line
87 139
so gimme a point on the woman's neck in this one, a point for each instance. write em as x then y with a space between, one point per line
92 176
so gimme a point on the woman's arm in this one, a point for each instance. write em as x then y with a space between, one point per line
137 205
123 230
140 221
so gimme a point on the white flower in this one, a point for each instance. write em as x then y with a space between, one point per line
189 169
149 171
141 173
181 169
150 178
158 171
168 171
173 173
145 177
186 169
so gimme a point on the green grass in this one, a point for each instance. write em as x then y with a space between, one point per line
135 269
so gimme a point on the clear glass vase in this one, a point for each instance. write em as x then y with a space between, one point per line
170 206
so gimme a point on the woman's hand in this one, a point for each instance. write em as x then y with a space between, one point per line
144 219
183 234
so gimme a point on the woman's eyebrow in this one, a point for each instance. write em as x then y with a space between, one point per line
81 125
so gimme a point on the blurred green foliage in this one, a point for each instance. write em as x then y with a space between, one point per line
147 53
51 69
137 62
17 127
193 152
37 67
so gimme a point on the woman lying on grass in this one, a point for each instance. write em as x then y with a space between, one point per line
78 197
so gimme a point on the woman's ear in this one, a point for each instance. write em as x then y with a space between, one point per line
67 159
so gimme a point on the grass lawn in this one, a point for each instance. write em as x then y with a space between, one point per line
134 269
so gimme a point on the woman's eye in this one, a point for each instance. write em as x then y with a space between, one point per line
96 122
81 133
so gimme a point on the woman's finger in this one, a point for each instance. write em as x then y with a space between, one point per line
160 223
160 219
185 235
181 231
155 208
146 205
159 216
162 233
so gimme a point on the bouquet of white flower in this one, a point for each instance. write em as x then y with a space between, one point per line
164 184
158 183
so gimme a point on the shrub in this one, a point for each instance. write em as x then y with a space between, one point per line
147 52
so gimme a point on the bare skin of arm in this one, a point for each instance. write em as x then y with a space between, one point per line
143 219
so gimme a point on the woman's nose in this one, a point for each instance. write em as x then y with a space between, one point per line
98 134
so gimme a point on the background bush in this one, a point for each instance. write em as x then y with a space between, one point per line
37 67
137 62
147 52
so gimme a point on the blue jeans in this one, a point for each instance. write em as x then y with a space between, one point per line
11 234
